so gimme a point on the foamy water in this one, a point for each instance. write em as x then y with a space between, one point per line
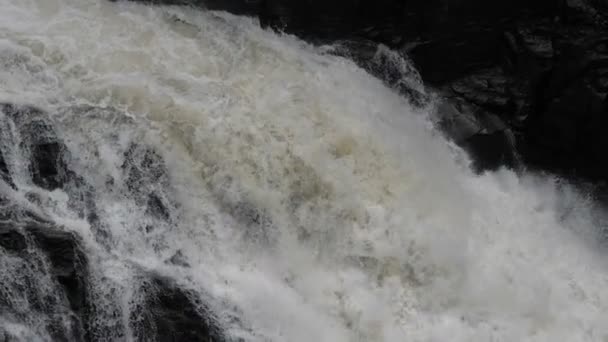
310 202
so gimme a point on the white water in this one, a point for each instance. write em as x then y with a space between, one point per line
371 226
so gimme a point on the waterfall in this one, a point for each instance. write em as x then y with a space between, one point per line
166 170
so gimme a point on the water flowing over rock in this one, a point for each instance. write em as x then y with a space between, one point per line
168 314
169 173
46 282
537 66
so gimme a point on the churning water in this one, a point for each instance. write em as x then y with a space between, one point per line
306 200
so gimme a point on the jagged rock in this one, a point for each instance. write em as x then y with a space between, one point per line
48 168
11 240
47 161
487 89
33 244
169 313
68 261
549 86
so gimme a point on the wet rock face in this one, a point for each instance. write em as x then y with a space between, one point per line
11 240
67 261
42 253
38 140
542 74
549 88
4 175
46 166
170 313
47 284
571 111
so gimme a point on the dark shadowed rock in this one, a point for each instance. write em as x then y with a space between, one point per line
11 239
47 163
567 130
48 167
544 77
4 174
68 261
491 151
169 313
34 245
156 208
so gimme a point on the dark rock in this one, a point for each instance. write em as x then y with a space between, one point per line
170 313
449 58
4 171
68 261
487 89
48 167
4 174
455 119
47 160
491 151
61 304
156 208
566 129
11 239
51 271
548 85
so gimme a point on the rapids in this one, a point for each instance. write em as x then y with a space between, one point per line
305 199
